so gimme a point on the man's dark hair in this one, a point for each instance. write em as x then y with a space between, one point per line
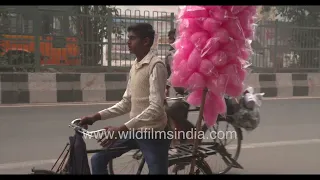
143 30
172 32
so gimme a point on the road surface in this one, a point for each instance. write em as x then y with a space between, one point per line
287 140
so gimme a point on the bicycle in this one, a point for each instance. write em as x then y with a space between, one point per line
183 155
218 147
179 155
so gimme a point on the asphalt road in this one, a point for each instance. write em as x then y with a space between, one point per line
287 140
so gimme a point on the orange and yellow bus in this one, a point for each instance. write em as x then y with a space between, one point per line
58 41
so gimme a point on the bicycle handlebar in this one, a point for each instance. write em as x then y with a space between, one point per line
75 125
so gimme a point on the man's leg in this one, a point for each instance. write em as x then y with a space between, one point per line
100 160
155 152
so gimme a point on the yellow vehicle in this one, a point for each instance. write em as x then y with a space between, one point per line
57 47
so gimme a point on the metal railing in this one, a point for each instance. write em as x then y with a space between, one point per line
284 47
93 38
83 39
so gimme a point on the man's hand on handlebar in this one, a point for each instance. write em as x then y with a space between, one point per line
89 120
114 133
85 121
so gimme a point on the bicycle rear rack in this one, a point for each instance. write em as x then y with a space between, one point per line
184 152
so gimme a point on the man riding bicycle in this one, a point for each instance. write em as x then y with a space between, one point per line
144 99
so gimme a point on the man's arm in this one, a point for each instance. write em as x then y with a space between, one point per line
118 109
157 80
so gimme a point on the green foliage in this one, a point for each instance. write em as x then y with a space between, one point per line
3 59
93 24
98 17
298 15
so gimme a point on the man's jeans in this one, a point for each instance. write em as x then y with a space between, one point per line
155 152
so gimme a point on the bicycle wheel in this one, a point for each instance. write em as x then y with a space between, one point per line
42 171
130 161
201 167
182 167
236 134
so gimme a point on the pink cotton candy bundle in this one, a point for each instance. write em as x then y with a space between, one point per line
190 25
176 79
212 50
207 68
235 9
218 13
199 39
245 19
234 28
176 63
236 75
219 59
184 46
217 84
196 81
195 97
210 115
193 12
184 69
194 60
210 47
180 54
214 105
211 24
222 35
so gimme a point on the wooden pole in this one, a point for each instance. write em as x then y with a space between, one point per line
198 127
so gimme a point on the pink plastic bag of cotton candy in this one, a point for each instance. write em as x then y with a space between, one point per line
212 51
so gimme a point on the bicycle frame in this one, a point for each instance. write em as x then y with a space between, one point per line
184 151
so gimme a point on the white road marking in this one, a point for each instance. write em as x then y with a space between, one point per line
112 103
277 143
8 166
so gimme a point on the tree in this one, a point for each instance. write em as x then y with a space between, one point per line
92 27
14 58
302 38
3 58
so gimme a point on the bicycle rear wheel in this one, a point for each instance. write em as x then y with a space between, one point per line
236 134
42 171
201 167
182 167
128 163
